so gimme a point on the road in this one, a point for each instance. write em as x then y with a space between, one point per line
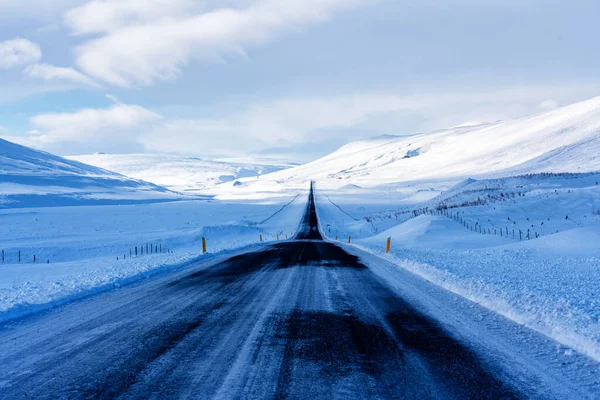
296 319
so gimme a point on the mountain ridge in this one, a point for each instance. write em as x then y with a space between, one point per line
565 139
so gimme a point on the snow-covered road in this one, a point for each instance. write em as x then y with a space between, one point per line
303 318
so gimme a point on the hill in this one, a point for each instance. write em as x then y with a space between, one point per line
562 140
32 178
182 173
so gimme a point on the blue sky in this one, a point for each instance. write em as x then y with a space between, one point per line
292 79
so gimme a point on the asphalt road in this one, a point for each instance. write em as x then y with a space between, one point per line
300 319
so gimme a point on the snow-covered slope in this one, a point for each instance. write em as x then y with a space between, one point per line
562 140
31 178
182 173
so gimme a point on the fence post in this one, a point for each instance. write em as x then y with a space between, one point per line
34 258
19 256
203 244
136 251
278 236
261 239
2 256
349 239
388 246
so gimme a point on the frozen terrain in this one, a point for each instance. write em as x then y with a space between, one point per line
180 173
300 318
83 249
545 276
31 178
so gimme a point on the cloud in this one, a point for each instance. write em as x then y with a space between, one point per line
311 126
112 98
299 128
548 104
282 123
49 72
110 15
18 52
144 43
109 129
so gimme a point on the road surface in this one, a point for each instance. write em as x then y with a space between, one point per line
300 319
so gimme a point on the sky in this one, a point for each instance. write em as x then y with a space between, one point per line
290 79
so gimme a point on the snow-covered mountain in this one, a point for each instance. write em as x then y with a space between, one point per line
562 140
35 179
183 173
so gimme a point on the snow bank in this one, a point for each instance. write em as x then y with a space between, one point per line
550 284
427 231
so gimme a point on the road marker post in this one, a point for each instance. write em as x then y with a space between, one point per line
388 247
349 239
261 239
278 237
203 245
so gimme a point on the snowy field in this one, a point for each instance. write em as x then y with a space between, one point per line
549 282
88 247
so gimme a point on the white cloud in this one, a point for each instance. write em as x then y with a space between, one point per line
112 98
310 125
144 43
110 15
548 104
282 123
89 128
331 121
18 52
49 72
